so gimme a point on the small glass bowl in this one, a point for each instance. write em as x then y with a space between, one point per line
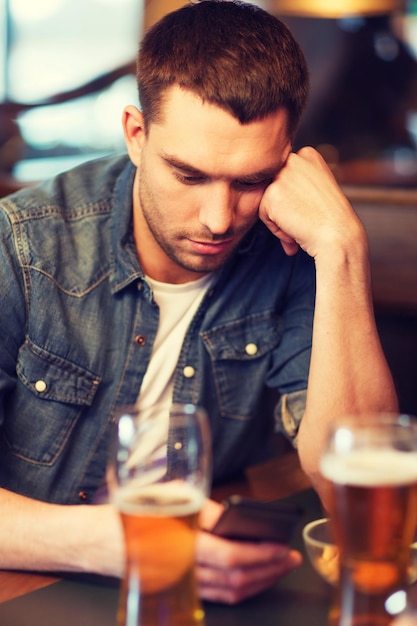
324 556
321 551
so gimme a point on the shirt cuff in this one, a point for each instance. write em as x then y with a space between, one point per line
289 412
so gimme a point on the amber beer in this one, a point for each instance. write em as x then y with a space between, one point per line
160 525
373 506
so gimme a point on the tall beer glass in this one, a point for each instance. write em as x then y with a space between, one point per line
372 472
159 482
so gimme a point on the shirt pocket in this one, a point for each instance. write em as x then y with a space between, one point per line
241 354
50 395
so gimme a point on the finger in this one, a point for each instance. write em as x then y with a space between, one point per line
288 243
290 248
308 153
241 576
210 513
228 595
224 553
235 584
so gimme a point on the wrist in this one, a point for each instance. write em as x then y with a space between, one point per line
348 253
96 543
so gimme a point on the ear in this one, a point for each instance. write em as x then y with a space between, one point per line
134 132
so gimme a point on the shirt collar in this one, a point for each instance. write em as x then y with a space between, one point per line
125 266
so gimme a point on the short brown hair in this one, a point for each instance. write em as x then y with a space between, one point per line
231 54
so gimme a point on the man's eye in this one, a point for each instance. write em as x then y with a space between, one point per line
252 184
188 179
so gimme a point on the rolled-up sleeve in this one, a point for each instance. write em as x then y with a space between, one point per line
288 414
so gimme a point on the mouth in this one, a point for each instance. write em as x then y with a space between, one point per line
210 247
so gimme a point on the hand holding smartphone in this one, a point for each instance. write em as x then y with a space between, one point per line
246 519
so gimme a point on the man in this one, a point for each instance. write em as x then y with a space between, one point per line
154 279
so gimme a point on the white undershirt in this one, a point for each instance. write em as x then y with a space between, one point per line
177 307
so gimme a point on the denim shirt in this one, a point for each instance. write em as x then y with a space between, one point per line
78 321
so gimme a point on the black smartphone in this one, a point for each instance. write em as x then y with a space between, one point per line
255 520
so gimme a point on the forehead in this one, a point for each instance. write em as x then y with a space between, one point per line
211 139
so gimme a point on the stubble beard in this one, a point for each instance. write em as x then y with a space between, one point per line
189 261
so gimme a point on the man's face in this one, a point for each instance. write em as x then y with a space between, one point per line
200 179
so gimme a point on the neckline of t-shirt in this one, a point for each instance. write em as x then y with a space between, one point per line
204 282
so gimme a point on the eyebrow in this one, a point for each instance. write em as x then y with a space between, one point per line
264 174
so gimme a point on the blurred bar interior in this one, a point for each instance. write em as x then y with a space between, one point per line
77 59
67 70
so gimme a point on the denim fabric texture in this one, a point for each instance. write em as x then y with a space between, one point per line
78 322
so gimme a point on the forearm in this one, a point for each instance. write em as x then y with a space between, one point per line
47 537
348 371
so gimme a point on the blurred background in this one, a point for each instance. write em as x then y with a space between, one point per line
50 47
67 70
362 55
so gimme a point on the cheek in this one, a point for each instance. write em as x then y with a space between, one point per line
175 206
248 205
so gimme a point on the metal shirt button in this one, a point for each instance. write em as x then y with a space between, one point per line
40 386
82 496
140 340
251 349
188 371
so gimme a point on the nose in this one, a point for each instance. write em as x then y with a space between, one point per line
217 208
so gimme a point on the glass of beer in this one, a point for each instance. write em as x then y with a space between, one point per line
371 468
158 483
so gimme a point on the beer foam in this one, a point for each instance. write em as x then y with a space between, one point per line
173 498
370 468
